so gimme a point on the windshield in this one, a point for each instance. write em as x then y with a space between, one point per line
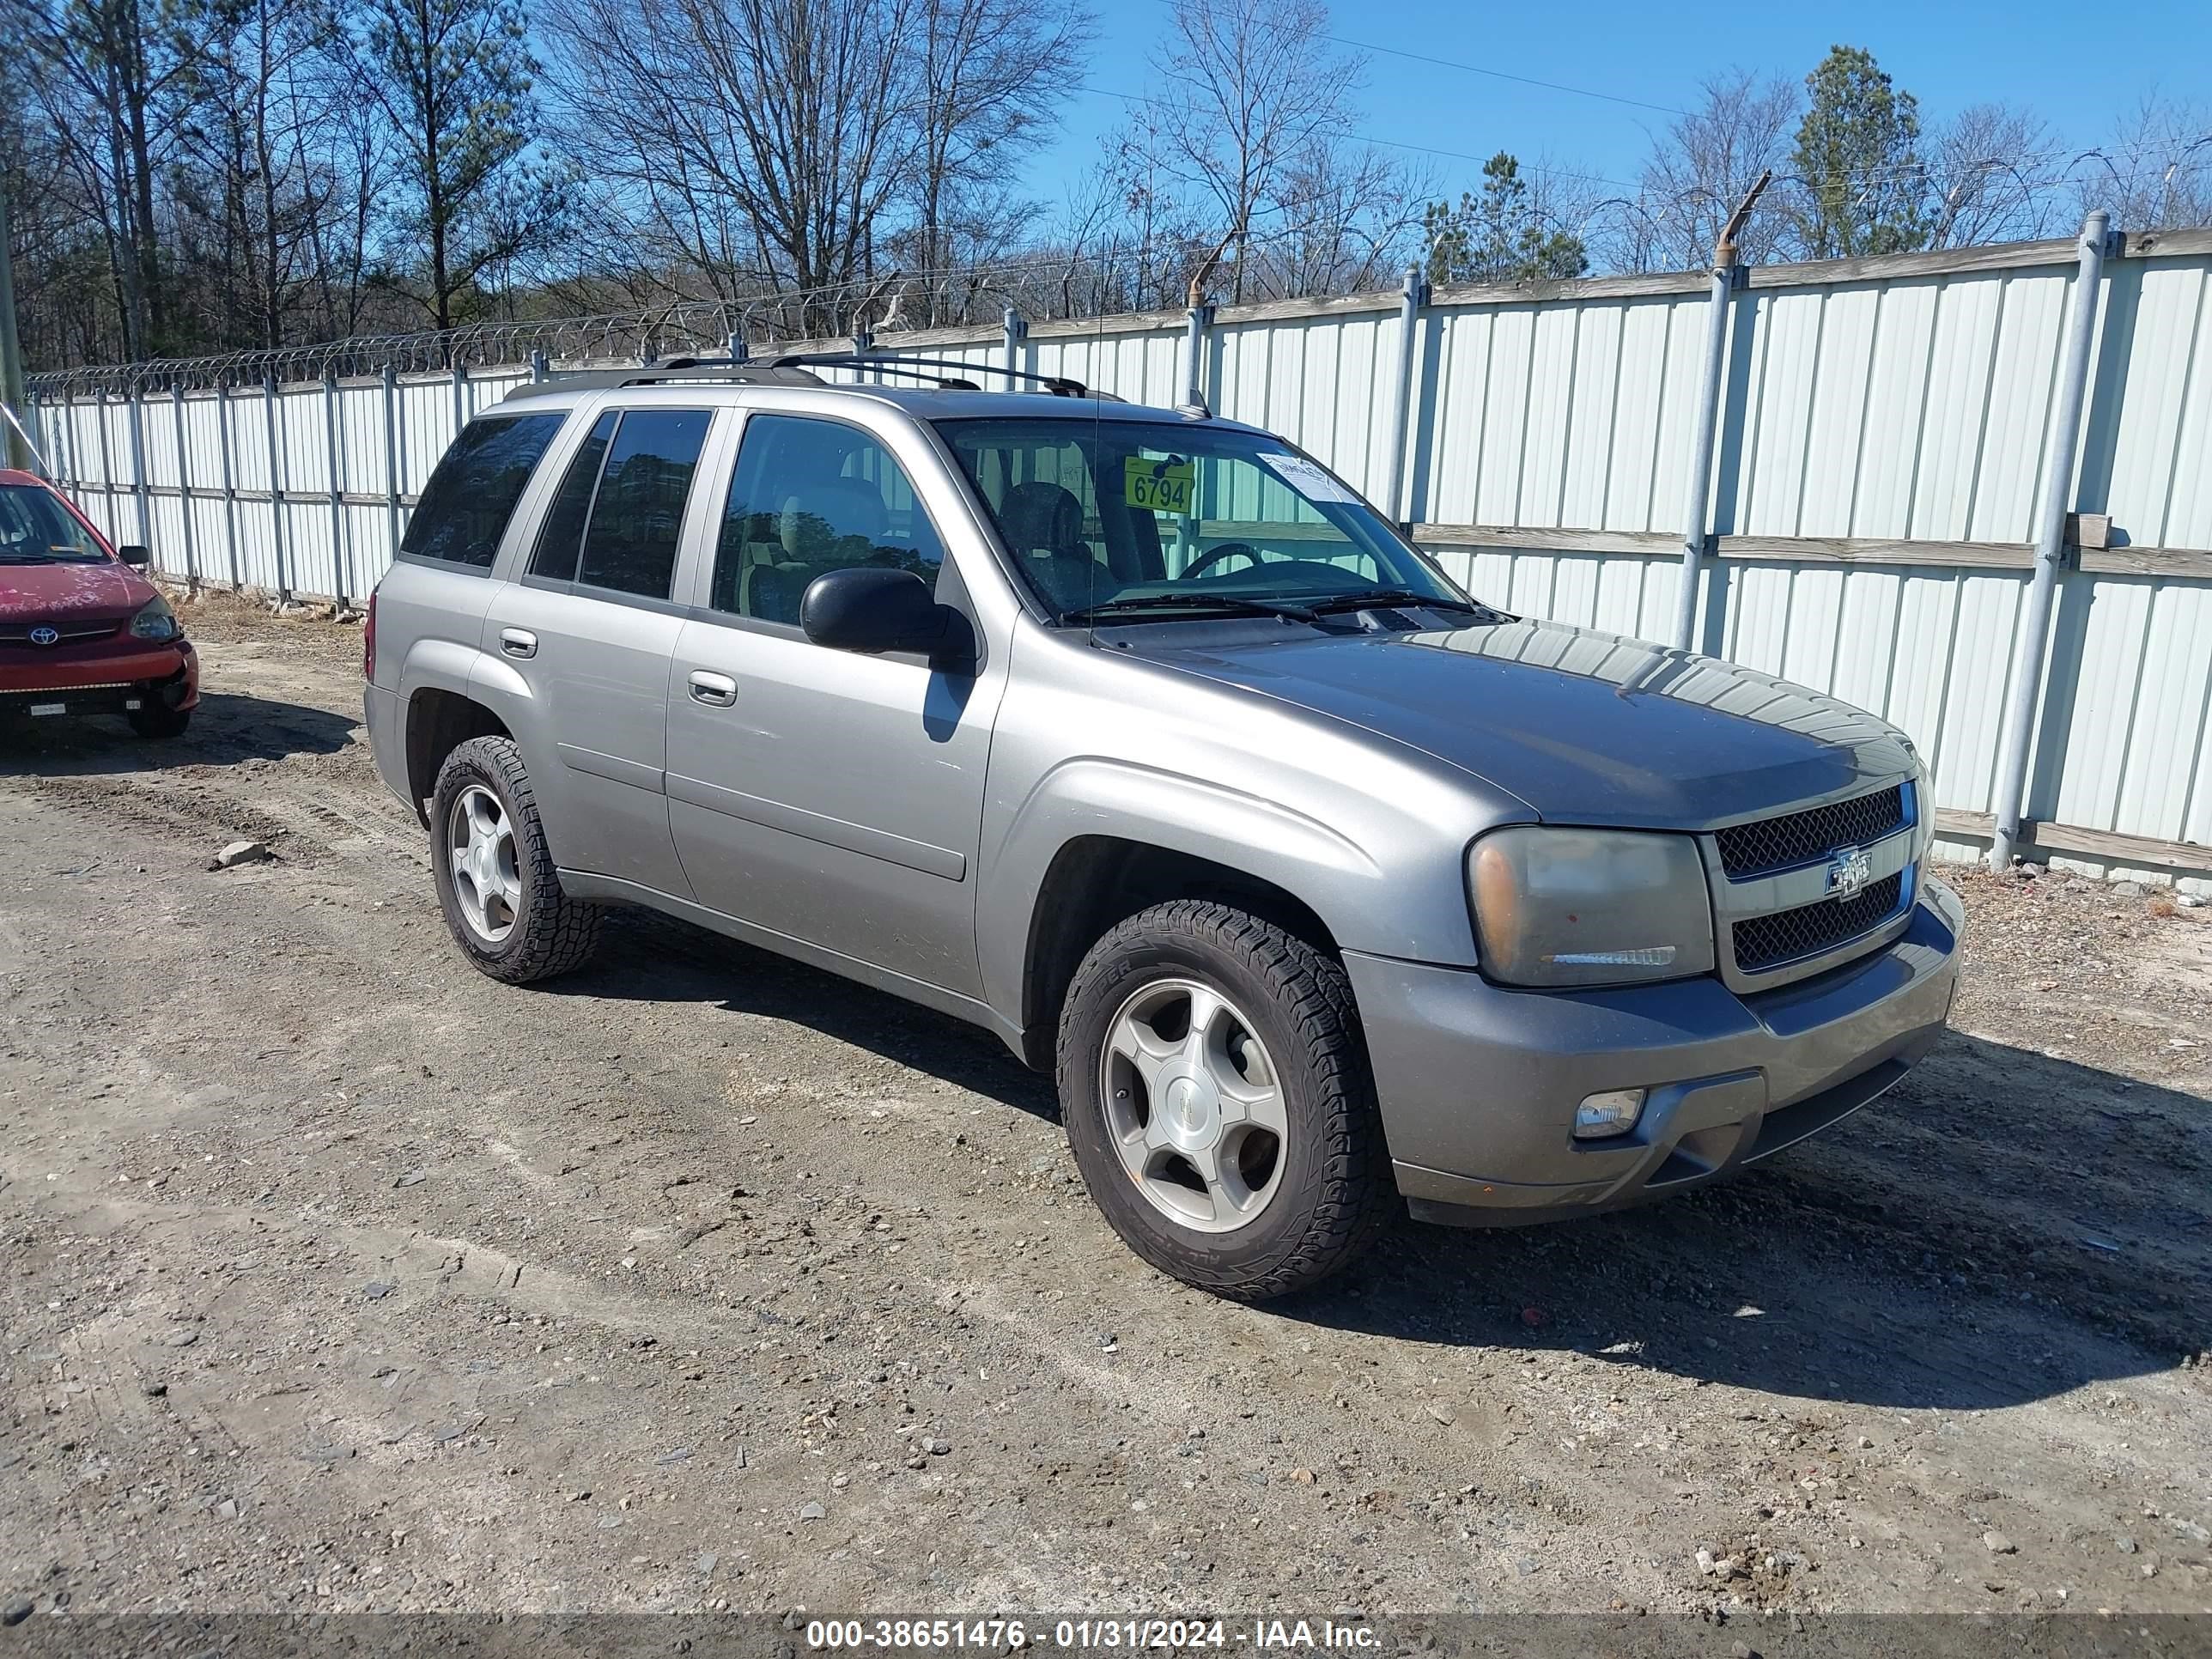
37 529
1167 519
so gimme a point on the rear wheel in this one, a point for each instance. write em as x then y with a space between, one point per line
497 880
156 721
1217 1097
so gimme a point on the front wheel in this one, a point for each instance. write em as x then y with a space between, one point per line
1217 1097
497 880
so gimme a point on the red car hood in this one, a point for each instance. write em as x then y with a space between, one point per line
92 591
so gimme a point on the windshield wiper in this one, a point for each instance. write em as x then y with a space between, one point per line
1399 596
1221 605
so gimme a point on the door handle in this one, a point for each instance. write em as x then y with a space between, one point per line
717 691
518 641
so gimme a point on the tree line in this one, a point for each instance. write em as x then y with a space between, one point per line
199 176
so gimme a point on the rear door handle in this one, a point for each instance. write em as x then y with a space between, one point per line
716 691
518 641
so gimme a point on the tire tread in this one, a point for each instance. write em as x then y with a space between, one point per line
559 933
1352 1196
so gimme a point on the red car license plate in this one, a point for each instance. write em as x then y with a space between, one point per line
50 709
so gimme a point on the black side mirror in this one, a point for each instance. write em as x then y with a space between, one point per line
136 555
872 610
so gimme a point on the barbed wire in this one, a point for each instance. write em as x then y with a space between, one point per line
1061 283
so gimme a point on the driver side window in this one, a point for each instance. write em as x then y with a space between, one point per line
809 497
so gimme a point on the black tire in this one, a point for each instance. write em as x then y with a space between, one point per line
551 933
1336 1193
154 720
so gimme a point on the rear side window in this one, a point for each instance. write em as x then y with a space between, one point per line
469 498
620 507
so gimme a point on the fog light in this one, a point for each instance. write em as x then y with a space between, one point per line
1611 1112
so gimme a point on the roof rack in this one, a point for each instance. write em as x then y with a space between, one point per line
726 369
1059 385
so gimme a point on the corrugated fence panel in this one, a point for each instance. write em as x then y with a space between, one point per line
2167 343
1902 407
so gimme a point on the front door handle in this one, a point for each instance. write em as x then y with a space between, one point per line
716 691
518 641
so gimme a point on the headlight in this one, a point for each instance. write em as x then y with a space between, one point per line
1589 907
155 621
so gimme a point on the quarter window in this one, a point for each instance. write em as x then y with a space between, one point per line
811 496
615 521
465 507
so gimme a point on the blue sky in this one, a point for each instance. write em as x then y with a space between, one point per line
2078 66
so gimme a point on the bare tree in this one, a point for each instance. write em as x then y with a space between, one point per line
273 190
1256 91
1351 220
1699 168
763 139
2155 173
991 74
106 73
1991 178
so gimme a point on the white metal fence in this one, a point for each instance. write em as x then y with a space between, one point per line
1875 484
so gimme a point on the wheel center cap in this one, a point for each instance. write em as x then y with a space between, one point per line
1191 1107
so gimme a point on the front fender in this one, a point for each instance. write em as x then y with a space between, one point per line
1333 871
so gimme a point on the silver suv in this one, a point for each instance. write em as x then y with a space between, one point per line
1134 736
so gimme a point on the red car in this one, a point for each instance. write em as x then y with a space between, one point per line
81 631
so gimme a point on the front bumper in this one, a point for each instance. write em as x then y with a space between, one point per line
102 681
1479 1084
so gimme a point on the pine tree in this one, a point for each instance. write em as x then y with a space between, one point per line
1863 185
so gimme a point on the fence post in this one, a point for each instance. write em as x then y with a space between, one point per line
1194 379
184 493
138 474
1017 330
460 397
391 447
106 464
1401 417
1699 502
339 577
276 489
230 483
739 352
2050 541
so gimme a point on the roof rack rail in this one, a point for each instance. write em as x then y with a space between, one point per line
726 369
1059 385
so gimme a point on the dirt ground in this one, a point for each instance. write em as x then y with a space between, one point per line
334 1275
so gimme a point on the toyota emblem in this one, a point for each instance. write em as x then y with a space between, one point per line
43 634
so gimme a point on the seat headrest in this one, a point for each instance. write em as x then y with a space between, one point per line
1039 515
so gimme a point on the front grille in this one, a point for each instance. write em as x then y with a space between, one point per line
1795 838
1768 941
71 633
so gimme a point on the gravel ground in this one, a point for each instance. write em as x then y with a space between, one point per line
334 1275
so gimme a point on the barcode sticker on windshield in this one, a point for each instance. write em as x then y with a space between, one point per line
1161 486
1309 480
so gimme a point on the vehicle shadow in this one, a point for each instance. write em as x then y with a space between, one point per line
2001 1227
226 729
652 957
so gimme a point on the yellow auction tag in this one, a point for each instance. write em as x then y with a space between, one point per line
1161 486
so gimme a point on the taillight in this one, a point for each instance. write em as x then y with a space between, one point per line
368 641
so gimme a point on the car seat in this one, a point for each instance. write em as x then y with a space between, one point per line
1042 523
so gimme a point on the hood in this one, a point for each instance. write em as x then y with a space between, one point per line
92 592
1584 727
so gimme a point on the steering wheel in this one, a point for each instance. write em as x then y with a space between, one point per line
1213 555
